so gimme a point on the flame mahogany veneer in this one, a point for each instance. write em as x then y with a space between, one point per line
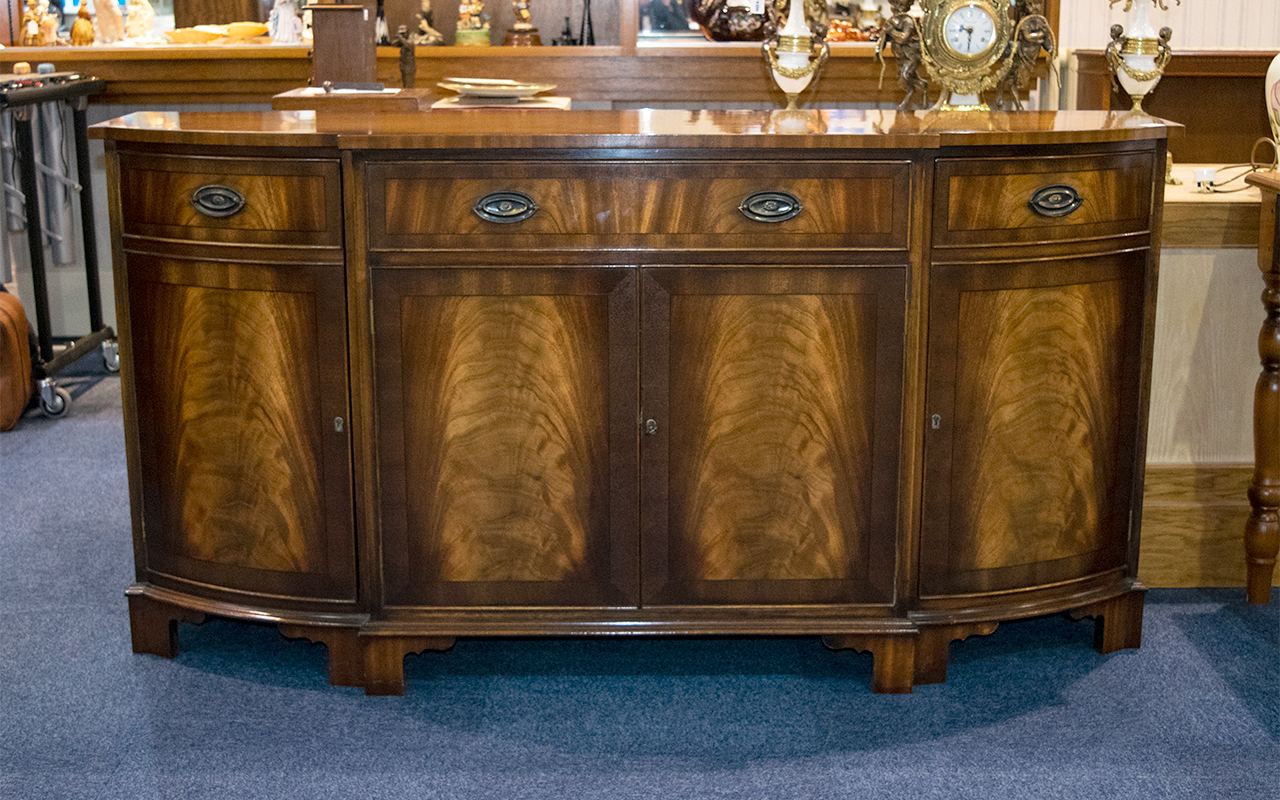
507 374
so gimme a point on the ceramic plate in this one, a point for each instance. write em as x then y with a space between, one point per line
493 87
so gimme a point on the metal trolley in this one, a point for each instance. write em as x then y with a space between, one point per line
20 95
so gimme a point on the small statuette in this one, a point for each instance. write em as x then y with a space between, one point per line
1031 34
408 58
522 33
141 20
524 20
109 20
283 24
30 25
426 33
82 28
48 36
901 33
473 25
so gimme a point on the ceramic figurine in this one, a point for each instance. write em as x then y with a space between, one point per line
82 28
142 18
901 34
473 24
30 25
110 21
381 31
1031 35
426 33
524 20
49 23
283 24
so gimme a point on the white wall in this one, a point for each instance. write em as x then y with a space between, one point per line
1197 24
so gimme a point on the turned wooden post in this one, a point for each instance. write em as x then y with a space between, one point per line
1262 530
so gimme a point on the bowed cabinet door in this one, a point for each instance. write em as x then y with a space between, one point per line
507 435
771 397
241 385
1032 430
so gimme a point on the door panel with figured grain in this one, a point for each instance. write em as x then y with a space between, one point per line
771 470
1033 393
246 475
505 411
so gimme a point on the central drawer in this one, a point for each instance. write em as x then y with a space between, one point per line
681 204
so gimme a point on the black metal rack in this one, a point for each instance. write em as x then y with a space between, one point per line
19 95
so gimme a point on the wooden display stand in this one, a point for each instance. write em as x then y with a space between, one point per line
492 374
394 100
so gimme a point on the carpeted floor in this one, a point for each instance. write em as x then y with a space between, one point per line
1031 711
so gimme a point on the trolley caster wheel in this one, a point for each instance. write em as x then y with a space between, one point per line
111 355
54 400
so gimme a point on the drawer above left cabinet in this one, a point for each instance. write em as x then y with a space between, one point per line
293 203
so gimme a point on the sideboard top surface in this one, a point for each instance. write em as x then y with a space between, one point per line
632 129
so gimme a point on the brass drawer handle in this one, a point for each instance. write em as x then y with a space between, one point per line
1055 201
770 206
213 200
505 207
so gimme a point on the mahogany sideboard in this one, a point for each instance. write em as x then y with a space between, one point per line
391 380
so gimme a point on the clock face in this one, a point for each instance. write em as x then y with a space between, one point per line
969 30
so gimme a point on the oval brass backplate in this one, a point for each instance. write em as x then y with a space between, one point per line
1055 201
771 206
505 207
214 200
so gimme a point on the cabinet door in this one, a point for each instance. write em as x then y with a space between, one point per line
1034 407
507 435
245 470
770 468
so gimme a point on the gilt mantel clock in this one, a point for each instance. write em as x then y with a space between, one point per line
965 46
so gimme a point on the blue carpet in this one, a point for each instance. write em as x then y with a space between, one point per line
1031 711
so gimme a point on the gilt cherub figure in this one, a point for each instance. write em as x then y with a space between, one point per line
1031 35
900 33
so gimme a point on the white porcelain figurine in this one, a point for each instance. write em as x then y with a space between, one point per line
141 20
110 21
284 24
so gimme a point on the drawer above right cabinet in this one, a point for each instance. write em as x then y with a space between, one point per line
986 201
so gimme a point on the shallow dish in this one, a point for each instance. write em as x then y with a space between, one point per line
493 87
192 35
243 30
